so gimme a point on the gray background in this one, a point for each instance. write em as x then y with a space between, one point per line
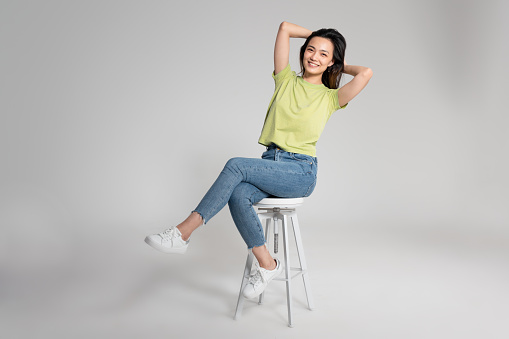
116 117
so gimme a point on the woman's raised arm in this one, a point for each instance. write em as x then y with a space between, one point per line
282 46
361 76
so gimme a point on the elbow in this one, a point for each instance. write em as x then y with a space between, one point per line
367 72
283 26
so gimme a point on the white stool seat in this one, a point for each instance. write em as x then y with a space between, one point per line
274 210
280 202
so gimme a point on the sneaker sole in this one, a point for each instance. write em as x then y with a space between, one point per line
179 250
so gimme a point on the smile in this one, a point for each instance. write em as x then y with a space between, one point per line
312 64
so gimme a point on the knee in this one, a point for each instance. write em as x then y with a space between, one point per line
233 164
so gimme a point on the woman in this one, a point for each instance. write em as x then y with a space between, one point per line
298 111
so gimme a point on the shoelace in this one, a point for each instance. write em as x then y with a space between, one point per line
170 233
257 278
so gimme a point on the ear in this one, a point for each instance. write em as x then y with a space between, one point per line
330 63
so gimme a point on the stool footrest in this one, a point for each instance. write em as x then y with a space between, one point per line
299 272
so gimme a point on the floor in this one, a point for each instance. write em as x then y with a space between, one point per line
369 281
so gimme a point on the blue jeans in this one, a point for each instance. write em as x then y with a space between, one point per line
245 181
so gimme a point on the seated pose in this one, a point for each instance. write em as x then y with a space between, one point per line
297 114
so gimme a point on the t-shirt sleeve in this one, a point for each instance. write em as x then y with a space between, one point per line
333 96
285 73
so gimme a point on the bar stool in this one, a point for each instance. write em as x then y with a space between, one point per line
273 210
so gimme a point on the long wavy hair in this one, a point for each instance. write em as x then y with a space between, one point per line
332 75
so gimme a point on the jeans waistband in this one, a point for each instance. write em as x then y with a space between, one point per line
274 146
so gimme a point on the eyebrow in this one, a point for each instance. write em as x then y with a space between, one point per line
323 50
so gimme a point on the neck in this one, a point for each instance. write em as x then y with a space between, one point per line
312 79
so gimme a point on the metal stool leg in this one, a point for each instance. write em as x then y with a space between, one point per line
247 272
267 227
288 277
302 260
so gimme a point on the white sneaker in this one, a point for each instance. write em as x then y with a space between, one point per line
169 241
259 280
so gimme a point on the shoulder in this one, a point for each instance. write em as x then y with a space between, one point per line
334 100
285 73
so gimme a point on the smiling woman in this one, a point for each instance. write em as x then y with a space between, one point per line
295 119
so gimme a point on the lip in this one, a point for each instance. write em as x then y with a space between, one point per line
312 64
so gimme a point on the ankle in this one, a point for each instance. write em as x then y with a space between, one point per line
270 265
196 219
187 227
185 235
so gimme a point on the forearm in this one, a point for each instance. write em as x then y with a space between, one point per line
295 31
355 70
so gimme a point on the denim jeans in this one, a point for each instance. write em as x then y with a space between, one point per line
245 181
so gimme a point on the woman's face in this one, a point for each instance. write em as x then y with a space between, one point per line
318 56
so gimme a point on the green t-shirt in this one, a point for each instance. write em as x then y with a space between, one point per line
297 114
